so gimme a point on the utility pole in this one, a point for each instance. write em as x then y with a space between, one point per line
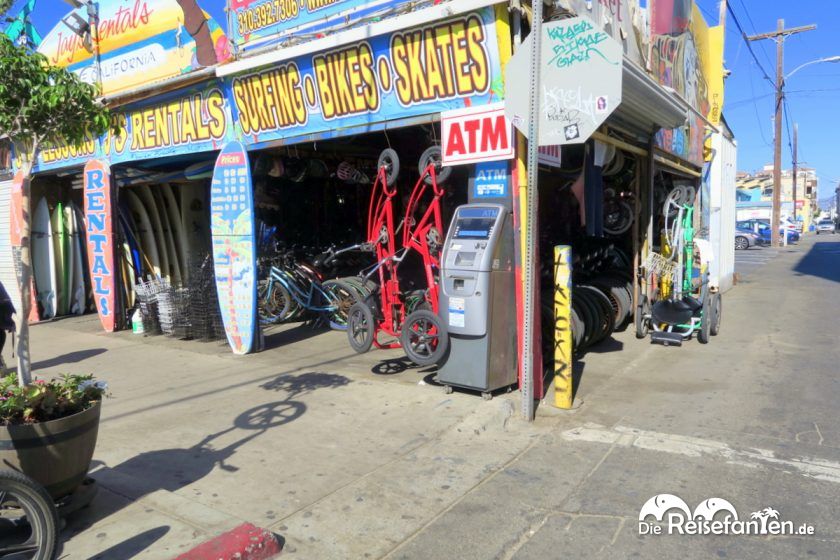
779 36
795 164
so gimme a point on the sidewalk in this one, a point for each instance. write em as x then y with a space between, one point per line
344 462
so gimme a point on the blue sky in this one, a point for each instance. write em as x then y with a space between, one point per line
814 92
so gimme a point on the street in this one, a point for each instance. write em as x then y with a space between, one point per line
346 456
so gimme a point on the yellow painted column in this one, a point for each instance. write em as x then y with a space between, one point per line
563 381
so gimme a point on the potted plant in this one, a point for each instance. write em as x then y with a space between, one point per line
48 429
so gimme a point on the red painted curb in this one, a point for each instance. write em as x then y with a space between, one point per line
245 542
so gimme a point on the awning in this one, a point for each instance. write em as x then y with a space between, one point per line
645 104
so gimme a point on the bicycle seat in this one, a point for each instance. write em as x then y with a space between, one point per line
671 312
694 303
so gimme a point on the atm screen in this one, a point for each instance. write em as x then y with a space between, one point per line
475 223
474 228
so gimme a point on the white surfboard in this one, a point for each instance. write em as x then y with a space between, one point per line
60 259
43 259
146 237
87 301
77 294
157 229
174 214
171 249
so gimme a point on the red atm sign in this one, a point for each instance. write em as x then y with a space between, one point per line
476 134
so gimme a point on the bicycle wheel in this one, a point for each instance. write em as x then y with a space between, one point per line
342 296
28 519
391 162
360 327
276 303
433 156
424 338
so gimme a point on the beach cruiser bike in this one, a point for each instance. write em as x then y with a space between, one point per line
29 523
293 289
408 317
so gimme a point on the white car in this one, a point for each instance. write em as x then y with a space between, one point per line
825 226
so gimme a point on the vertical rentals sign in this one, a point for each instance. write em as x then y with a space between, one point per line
234 246
100 240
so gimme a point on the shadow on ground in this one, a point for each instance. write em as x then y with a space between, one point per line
822 261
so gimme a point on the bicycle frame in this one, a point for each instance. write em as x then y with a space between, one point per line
306 299
415 236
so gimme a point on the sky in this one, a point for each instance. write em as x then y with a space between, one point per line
813 93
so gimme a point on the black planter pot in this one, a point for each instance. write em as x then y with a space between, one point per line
56 453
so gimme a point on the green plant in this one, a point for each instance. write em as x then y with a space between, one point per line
40 103
42 400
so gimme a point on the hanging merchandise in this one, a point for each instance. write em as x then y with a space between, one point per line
682 303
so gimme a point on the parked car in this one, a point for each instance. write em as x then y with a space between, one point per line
826 226
744 239
764 229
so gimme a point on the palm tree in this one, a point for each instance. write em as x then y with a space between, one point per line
771 513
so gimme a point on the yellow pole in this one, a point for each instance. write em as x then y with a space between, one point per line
563 327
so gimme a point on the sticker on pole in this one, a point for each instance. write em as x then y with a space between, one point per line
456 312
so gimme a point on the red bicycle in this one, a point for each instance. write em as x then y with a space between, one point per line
409 317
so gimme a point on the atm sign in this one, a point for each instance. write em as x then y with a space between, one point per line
476 134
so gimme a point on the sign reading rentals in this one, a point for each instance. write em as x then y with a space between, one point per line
451 64
476 135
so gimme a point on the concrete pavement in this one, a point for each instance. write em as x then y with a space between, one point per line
348 456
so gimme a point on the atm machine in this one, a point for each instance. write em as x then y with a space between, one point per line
478 300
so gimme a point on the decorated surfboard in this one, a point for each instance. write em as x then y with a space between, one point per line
100 240
42 259
60 260
234 247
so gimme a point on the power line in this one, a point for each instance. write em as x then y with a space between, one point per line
755 30
748 43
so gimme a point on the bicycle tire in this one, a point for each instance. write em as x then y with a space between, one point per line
415 342
606 318
717 311
39 510
433 156
391 161
361 328
343 296
278 304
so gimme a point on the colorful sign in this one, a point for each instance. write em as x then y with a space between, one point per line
138 42
184 121
476 134
16 211
676 61
581 74
259 23
234 246
450 64
552 156
491 180
100 240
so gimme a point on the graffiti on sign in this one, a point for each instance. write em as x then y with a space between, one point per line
575 43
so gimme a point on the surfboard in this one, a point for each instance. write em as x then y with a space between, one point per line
60 258
171 250
69 257
157 229
131 239
126 266
145 232
43 258
234 247
195 222
87 304
77 294
200 170
101 248
174 214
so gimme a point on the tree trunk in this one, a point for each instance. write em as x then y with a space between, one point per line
24 364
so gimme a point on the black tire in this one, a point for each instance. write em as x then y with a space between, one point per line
361 328
642 325
277 306
704 333
742 243
587 312
344 296
391 161
717 311
605 317
19 492
423 347
434 156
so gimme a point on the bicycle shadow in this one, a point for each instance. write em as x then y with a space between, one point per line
275 336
